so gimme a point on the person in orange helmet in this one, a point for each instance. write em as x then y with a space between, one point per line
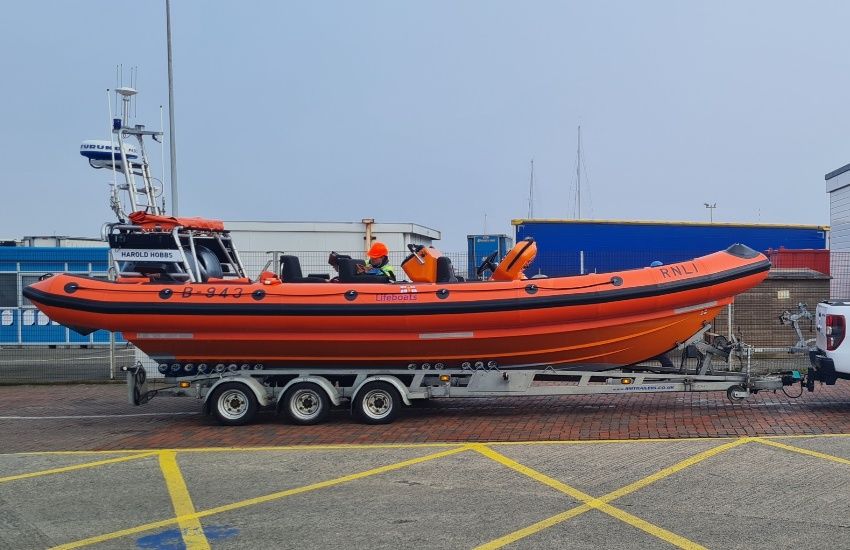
378 262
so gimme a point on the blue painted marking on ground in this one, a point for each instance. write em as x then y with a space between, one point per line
172 539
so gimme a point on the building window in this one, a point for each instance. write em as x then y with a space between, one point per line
8 290
27 280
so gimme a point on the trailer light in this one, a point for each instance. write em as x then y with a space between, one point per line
185 384
445 378
835 330
626 381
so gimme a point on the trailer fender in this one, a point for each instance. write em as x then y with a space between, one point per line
252 383
402 389
323 383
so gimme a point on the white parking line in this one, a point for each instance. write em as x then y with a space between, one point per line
93 416
58 359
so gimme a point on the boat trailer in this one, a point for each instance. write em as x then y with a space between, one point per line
375 396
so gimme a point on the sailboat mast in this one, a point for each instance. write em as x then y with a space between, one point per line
531 193
578 174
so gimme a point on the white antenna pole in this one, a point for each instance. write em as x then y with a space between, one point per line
171 136
531 193
111 141
115 192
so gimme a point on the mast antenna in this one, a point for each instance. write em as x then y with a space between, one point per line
531 193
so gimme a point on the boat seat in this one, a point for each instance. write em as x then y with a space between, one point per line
445 271
290 271
515 261
348 273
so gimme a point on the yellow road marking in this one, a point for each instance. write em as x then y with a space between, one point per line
670 470
190 529
801 450
623 491
589 502
259 500
77 467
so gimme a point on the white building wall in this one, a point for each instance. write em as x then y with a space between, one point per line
325 236
312 241
838 187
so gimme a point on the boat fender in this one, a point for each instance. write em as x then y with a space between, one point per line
402 389
253 383
333 394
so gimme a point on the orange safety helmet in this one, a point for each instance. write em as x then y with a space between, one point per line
378 250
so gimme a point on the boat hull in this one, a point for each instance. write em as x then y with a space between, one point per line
594 321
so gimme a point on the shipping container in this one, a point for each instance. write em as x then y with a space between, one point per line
569 247
481 246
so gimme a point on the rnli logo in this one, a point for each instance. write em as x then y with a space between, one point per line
679 270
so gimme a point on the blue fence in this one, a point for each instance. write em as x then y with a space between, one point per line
20 322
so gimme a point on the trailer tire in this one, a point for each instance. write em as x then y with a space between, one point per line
377 403
305 403
234 404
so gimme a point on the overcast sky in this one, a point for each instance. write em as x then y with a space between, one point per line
429 112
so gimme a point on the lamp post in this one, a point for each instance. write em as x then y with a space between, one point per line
171 137
711 208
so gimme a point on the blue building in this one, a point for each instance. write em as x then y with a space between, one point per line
570 247
21 323
481 246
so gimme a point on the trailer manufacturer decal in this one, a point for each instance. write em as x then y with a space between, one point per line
656 387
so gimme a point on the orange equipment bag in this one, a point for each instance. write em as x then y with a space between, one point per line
511 266
421 266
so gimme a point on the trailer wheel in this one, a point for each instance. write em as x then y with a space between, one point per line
377 403
305 403
234 404
730 393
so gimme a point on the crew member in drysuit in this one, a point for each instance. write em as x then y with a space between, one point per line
378 262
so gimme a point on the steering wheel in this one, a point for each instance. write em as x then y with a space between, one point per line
489 263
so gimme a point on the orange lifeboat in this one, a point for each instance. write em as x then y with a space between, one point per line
201 309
